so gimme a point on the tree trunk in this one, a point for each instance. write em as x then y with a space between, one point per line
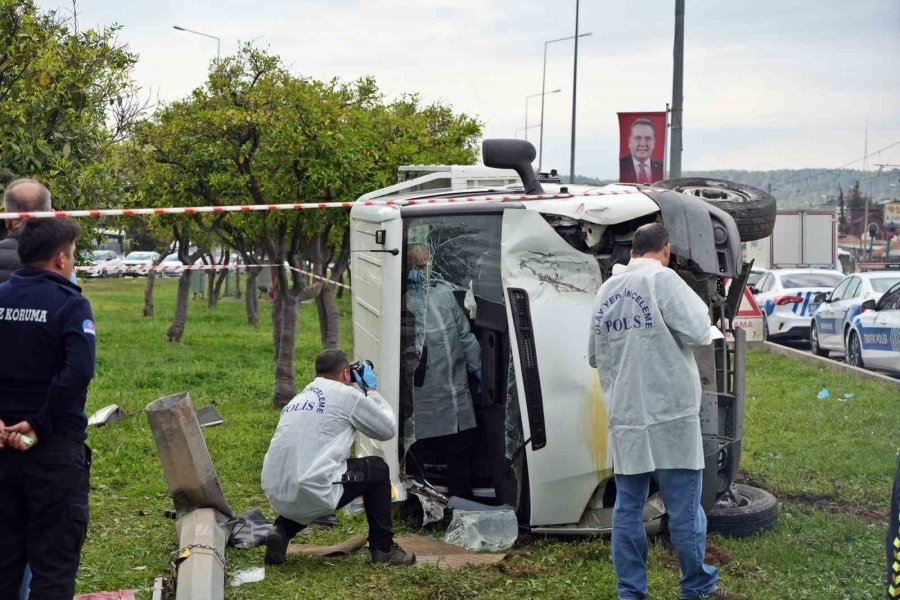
211 287
287 306
329 318
251 297
340 292
176 330
237 284
216 289
148 293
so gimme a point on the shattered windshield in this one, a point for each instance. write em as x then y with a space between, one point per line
452 271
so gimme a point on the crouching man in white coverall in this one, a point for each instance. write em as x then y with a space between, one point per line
308 473
646 322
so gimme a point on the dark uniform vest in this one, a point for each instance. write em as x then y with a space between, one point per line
47 351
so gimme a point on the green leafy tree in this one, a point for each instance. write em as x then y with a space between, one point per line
66 99
255 133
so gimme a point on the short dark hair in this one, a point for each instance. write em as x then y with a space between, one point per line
330 363
41 239
652 237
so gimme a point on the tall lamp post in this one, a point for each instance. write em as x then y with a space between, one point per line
543 86
574 96
527 98
218 40
675 144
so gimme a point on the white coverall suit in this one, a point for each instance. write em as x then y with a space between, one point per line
312 443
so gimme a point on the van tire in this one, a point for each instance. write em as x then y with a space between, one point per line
752 209
754 510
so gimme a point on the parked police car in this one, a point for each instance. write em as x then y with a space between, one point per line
836 311
873 340
788 300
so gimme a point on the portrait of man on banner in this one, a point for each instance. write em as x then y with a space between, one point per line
642 143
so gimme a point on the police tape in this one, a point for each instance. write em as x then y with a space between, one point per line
178 269
193 210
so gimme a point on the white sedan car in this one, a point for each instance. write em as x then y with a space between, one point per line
874 337
831 323
787 299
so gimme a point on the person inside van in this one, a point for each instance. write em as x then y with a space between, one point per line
446 351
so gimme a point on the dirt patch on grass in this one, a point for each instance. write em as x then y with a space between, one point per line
714 555
830 503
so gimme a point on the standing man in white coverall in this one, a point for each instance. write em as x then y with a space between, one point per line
308 473
445 352
646 322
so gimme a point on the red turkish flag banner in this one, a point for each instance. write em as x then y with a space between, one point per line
642 147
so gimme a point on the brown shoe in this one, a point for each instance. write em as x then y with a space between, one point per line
395 556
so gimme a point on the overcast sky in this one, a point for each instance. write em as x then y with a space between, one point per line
769 84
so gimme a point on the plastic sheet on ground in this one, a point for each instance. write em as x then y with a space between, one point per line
483 530
252 575
248 530
432 510
444 556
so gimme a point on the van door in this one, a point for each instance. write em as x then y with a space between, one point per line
375 231
550 289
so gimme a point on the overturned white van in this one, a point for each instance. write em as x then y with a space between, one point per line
523 263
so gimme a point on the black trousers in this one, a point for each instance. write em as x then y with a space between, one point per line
459 447
43 515
375 490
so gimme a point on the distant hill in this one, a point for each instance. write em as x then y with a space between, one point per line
795 188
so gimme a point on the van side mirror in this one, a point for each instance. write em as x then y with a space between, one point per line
821 297
513 154
869 304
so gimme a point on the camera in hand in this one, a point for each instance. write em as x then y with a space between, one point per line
359 366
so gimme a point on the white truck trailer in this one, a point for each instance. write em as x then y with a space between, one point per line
801 238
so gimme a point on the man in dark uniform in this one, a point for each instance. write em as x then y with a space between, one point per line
21 195
46 363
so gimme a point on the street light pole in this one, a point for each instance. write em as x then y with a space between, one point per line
527 98
575 95
677 92
218 40
543 86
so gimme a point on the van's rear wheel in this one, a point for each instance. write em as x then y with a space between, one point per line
743 511
752 209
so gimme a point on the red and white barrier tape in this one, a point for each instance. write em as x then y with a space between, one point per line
191 210
142 269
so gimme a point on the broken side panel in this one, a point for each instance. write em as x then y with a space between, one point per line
559 284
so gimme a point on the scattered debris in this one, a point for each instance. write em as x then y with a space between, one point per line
252 575
432 510
107 414
158 584
209 415
824 394
483 530
356 506
345 547
249 529
120 595
848 396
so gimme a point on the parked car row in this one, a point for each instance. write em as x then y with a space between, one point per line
856 316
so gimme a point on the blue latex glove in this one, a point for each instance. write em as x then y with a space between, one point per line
477 375
368 381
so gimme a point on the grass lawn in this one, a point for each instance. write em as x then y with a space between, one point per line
831 463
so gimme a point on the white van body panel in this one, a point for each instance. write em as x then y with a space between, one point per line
561 283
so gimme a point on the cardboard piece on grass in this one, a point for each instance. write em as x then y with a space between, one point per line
443 555
120 595
345 547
